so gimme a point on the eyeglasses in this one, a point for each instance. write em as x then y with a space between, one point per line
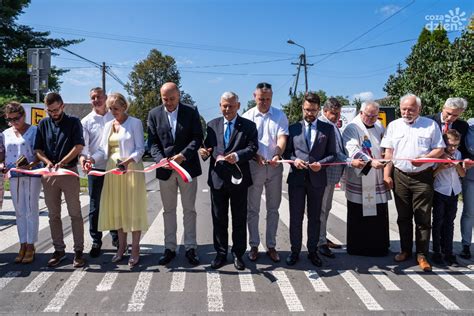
53 111
310 111
370 116
13 119
452 145
264 85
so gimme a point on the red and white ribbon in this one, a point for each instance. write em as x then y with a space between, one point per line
45 172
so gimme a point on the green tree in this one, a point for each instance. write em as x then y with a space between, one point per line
15 39
250 104
436 70
146 79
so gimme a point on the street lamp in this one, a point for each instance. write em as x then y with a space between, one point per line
302 62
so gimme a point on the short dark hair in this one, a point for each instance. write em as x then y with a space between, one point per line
312 97
451 133
264 85
53 97
97 89
332 104
14 107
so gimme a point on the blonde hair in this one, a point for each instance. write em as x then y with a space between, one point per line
117 98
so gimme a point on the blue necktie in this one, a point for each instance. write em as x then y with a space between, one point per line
308 135
227 133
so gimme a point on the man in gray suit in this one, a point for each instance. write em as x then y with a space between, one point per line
175 133
311 143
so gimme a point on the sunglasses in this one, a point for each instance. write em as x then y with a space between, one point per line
264 85
13 119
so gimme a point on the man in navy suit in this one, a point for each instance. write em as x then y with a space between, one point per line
231 142
311 143
175 133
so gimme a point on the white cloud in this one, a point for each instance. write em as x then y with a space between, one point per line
82 77
215 80
364 96
180 61
387 10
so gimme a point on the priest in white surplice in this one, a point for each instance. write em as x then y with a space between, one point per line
367 197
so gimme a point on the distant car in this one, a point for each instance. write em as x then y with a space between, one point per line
147 153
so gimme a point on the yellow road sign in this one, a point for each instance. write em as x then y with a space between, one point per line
36 115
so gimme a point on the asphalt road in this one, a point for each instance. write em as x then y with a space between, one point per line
346 285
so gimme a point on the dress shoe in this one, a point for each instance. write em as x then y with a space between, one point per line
423 263
253 254
79 260
117 258
21 254
192 257
238 262
333 245
219 261
167 257
451 260
437 258
292 258
325 251
56 258
465 253
29 256
315 260
402 256
273 254
95 250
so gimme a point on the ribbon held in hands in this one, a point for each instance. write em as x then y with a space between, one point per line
46 172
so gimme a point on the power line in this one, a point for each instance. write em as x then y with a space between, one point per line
366 32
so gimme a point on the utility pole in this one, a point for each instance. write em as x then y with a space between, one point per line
38 67
103 76
302 62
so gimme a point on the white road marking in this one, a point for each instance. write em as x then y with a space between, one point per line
154 238
177 282
246 281
469 273
384 280
451 280
140 293
64 292
205 190
8 277
289 295
431 290
334 239
107 282
316 281
38 282
215 301
364 295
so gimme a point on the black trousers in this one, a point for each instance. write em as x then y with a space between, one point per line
220 219
298 195
413 199
444 213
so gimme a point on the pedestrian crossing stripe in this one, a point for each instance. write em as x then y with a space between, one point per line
215 294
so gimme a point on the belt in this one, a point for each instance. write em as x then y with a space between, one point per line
414 173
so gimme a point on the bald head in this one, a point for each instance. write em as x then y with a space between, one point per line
170 95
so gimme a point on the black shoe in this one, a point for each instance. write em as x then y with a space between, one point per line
95 250
437 258
167 257
465 253
238 262
79 260
219 261
314 258
451 260
192 257
325 251
292 258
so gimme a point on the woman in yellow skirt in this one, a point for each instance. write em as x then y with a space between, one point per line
123 203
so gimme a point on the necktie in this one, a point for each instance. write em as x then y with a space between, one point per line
227 133
308 135
446 127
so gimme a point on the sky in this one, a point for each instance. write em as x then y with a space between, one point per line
231 45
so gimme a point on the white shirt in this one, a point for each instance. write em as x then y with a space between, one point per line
313 131
447 180
270 126
172 119
412 141
93 128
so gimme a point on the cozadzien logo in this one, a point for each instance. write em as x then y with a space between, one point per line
454 20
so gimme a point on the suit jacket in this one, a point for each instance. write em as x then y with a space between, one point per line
459 125
243 141
322 151
187 140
